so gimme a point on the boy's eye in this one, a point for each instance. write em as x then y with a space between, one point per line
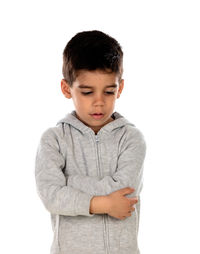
86 93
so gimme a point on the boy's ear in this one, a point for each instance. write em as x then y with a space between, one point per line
65 88
121 86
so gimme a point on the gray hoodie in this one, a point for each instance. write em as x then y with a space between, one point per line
72 165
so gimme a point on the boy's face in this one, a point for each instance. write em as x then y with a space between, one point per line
100 98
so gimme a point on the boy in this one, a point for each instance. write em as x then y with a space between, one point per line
92 158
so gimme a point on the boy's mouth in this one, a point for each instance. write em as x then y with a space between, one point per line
97 115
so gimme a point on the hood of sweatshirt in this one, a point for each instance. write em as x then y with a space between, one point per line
71 119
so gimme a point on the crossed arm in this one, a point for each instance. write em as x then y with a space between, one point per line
72 196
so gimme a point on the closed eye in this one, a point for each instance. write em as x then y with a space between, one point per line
86 93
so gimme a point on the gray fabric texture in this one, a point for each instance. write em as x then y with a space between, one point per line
72 165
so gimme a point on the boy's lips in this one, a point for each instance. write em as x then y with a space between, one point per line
97 115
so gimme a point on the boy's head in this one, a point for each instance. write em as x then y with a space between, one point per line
93 59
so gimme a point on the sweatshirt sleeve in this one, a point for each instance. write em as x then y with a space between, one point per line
129 172
56 195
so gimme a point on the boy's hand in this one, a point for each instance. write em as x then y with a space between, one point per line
121 207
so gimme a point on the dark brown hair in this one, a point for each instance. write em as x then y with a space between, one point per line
91 50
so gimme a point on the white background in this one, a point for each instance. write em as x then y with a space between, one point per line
160 40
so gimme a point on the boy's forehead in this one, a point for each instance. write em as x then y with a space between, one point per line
88 79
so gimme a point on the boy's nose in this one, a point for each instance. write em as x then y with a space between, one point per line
99 100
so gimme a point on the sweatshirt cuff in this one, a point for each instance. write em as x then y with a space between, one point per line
82 204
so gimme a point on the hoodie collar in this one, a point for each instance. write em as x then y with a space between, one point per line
72 120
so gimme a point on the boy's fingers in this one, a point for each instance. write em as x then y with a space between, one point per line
134 200
127 190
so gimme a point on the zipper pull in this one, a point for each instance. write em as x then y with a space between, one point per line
97 139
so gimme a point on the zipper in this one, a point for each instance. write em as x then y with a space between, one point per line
104 215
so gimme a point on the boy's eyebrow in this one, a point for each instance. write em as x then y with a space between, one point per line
86 86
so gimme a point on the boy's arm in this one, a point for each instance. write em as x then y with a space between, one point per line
57 197
129 172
